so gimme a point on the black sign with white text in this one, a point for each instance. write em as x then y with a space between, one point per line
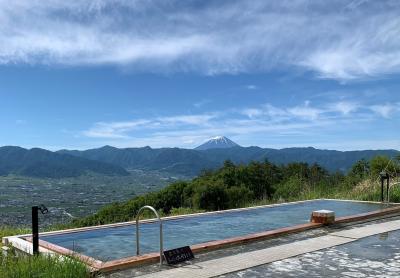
178 255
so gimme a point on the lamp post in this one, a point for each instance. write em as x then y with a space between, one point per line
35 226
384 176
387 188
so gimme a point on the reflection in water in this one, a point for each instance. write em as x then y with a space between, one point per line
384 236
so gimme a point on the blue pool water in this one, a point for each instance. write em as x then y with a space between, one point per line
120 242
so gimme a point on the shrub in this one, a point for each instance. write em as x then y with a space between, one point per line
291 189
239 196
211 197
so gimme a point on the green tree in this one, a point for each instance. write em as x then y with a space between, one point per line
260 178
360 169
171 197
239 196
228 173
211 197
380 163
297 169
317 174
290 189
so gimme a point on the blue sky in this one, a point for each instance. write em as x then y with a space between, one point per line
173 74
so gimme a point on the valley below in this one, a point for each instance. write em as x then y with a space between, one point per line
68 198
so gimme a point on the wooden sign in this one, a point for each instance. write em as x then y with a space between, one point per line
178 255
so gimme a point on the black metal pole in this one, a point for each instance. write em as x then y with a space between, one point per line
387 188
35 230
382 183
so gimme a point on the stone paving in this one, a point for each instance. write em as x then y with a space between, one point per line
253 259
375 256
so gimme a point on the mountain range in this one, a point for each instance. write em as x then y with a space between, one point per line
213 153
46 164
110 160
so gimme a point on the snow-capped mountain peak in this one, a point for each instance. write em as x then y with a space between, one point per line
218 142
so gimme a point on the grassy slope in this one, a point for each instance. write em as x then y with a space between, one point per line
10 231
19 266
40 266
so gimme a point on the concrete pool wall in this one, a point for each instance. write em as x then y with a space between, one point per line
22 241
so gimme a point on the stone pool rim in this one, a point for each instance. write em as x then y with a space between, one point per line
24 241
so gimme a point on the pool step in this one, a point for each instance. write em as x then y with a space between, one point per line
221 266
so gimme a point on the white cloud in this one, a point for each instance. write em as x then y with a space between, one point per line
188 119
384 110
252 112
349 41
345 107
114 129
305 112
302 112
273 111
251 87
121 130
201 103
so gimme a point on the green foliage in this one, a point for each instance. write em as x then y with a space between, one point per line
239 196
44 266
22 266
361 169
380 163
395 194
290 189
183 211
171 197
211 197
11 231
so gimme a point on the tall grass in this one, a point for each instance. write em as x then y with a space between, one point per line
43 266
15 265
11 231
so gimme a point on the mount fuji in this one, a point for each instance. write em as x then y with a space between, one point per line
219 142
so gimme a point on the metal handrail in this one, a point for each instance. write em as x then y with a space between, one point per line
161 231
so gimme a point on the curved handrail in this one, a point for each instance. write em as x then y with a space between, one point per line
161 231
